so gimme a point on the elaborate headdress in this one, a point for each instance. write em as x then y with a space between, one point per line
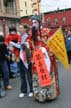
37 17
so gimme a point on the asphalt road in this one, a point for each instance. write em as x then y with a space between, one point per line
63 101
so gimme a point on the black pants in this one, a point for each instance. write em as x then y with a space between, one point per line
69 56
5 71
24 72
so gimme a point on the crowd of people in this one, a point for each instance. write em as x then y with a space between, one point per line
19 49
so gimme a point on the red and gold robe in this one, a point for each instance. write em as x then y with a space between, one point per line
41 41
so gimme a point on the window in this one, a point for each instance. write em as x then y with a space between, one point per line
49 21
25 4
56 21
63 20
10 6
26 12
34 3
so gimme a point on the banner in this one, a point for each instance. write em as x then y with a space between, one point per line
57 45
42 72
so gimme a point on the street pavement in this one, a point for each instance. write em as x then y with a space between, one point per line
11 100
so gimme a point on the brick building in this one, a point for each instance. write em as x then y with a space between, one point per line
54 19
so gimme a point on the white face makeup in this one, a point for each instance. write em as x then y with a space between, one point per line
35 23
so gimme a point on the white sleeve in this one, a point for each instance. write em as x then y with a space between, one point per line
16 45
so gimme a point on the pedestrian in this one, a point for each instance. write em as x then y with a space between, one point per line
25 71
24 63
68 45
3 63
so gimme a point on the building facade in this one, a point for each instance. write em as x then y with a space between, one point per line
29 7
9 14
58 18
54 19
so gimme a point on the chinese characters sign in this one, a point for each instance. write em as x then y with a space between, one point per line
42 72
57 45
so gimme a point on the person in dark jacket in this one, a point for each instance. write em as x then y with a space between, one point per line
3 63
68 45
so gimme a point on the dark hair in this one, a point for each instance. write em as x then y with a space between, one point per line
26 27
12 28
